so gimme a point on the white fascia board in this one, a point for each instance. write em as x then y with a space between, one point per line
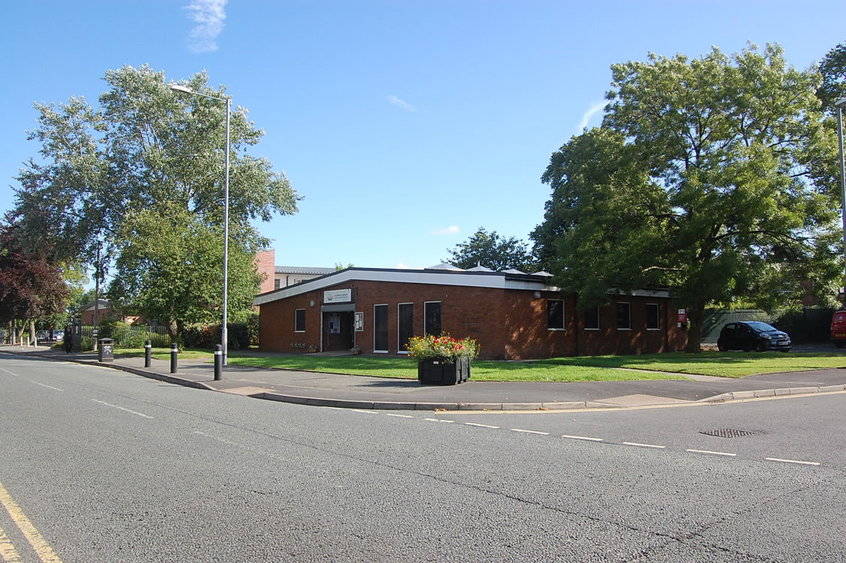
641 292
402 276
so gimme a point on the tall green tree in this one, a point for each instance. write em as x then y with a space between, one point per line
169 270
712 176
143 148
833 71
491 250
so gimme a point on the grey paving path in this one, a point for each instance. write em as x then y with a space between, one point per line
347 390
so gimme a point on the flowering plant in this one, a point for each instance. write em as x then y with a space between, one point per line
445 346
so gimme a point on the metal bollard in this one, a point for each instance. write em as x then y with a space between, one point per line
218 362
148 353
173 352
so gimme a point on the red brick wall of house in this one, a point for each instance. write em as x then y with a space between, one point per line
509 324
265 261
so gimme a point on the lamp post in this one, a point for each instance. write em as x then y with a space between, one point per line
224 340
840 104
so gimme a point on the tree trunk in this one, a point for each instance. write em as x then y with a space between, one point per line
695 315
32 335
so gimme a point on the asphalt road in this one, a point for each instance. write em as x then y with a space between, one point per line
99 465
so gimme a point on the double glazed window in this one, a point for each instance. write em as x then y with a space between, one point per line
432 318
555 314
299 320
592 318
405 325
653 316
624 316
380 328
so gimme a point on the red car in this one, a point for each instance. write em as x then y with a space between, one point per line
838 329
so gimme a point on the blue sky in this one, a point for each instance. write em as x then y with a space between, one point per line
404 124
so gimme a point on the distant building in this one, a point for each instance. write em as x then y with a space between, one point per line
104 312
291 275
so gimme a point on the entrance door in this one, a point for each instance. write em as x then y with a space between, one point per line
337 331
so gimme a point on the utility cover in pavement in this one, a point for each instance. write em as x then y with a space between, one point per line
731 432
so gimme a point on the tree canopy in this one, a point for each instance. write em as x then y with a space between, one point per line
712 176
833 71
145 152
491 250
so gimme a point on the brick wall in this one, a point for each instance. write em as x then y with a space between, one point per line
265 261
509 324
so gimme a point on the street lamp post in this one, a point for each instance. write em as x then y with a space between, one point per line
224 332
840 104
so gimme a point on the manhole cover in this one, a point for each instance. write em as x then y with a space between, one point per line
730 432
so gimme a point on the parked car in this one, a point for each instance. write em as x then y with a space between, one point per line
752 335
838 329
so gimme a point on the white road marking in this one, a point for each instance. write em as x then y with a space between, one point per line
530 431
792 461
215 438
122 408
587 438
9 372
637 445
399 415
438 420
711 452
480 425
364 411
47 386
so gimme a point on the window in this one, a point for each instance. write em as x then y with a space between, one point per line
555 314
405 325
592 318
653 316
380 328
624 316
432 318
299 320
277 283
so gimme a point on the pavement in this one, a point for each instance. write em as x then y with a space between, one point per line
353 391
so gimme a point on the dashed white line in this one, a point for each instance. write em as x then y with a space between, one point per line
586 438
530 431
9 372
363 411
639 445
480 425
47 386
399 415
709 452
215 438
438 420
122 408
792 461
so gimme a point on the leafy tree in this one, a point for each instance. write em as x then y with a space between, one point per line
169 269
493 251
833 71
712 176
31 288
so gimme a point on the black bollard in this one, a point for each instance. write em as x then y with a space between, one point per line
218 362
173 352
148 353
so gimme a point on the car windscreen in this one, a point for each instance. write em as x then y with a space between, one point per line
760 327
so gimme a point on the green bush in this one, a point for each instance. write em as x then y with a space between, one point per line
809 324
208 336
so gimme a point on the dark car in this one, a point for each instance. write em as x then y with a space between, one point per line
752 335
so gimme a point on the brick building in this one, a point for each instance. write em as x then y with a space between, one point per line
513 315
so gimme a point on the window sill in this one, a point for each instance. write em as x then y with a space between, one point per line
403 352
623 329
592 329
380 351
557 329
299 331
653 329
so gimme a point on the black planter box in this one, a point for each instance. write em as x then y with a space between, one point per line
443 371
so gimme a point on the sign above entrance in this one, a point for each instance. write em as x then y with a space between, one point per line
337 296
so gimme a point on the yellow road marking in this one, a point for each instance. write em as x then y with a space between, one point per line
7 550
32 535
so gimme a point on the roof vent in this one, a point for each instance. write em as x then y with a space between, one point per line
513 271
479 269
542 273
445 266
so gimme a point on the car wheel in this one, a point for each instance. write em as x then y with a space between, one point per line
761 347
722 347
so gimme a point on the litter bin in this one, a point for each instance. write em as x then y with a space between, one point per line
105 352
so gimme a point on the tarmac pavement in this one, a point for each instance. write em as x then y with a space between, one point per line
327 389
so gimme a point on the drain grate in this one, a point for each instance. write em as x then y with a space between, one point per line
730 432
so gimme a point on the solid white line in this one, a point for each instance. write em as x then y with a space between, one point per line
644 445
480 425
364 411
9 372
530 431
710 452
122 408
399 415
47 386
792 461
581 438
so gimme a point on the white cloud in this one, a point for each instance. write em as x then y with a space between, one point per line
400 103
592 110
451 230
208 17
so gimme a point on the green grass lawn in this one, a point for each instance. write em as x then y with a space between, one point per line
579 368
